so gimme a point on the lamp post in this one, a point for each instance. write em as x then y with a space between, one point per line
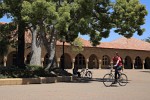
63 55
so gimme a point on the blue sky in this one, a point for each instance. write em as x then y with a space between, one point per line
113 35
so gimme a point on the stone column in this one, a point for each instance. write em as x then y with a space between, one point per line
143 64
58 61
73 61
42 62
5 61
100 61
25 59
123 63
111 64
87 61
133 64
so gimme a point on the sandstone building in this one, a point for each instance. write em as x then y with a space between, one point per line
135 54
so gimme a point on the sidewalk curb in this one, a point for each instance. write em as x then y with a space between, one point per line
39 80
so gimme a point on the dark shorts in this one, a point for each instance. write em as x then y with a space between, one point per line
119 67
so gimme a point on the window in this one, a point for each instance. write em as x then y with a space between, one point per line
80 61
106 60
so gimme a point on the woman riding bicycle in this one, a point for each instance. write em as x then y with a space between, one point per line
117 62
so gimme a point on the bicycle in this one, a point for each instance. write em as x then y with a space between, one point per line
85 73
109 78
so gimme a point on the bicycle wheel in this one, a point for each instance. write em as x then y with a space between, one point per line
82 73
108 79
89 74
123 80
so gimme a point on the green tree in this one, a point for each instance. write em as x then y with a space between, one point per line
67 18
128 16
7 37
12 8
147 39
51 20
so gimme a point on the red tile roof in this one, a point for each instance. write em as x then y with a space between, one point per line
2 23
121 43
124 43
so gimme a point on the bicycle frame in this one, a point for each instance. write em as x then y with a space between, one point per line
109 78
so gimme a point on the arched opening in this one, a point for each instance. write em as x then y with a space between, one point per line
93 62
67 61
46 60
28 58
138 63
147 63
105 62
80 61
128 63
11 59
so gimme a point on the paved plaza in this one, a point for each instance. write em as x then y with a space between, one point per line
138 88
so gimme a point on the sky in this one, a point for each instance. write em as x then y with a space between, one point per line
114 36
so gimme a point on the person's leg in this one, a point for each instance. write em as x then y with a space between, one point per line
79 75
119 69
116 72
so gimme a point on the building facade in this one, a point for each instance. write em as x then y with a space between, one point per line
135 54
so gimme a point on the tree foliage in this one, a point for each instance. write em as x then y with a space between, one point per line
7 37
55 19
12 8
128 16
147 39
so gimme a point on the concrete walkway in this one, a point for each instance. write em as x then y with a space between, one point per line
138 88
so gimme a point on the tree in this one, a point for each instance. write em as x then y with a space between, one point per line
12 8
7 37
67 18
128 16
147 39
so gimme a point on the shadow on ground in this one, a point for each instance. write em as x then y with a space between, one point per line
145 71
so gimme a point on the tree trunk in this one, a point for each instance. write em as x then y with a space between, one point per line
21 44
35 49
51 50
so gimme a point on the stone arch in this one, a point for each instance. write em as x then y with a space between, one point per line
12 59
138 63
105 61
28 58
147 63
45 62
128 63
80 61
93 62
67 61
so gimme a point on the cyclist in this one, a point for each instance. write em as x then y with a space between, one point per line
76 72
117 62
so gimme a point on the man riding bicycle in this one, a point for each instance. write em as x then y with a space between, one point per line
117 62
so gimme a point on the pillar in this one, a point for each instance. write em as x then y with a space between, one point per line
100 61
58 62
133 64
73 61
42 62
25 60
143 64
123 64
5 61
111 64
87 61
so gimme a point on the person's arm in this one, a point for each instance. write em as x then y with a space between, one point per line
117 62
